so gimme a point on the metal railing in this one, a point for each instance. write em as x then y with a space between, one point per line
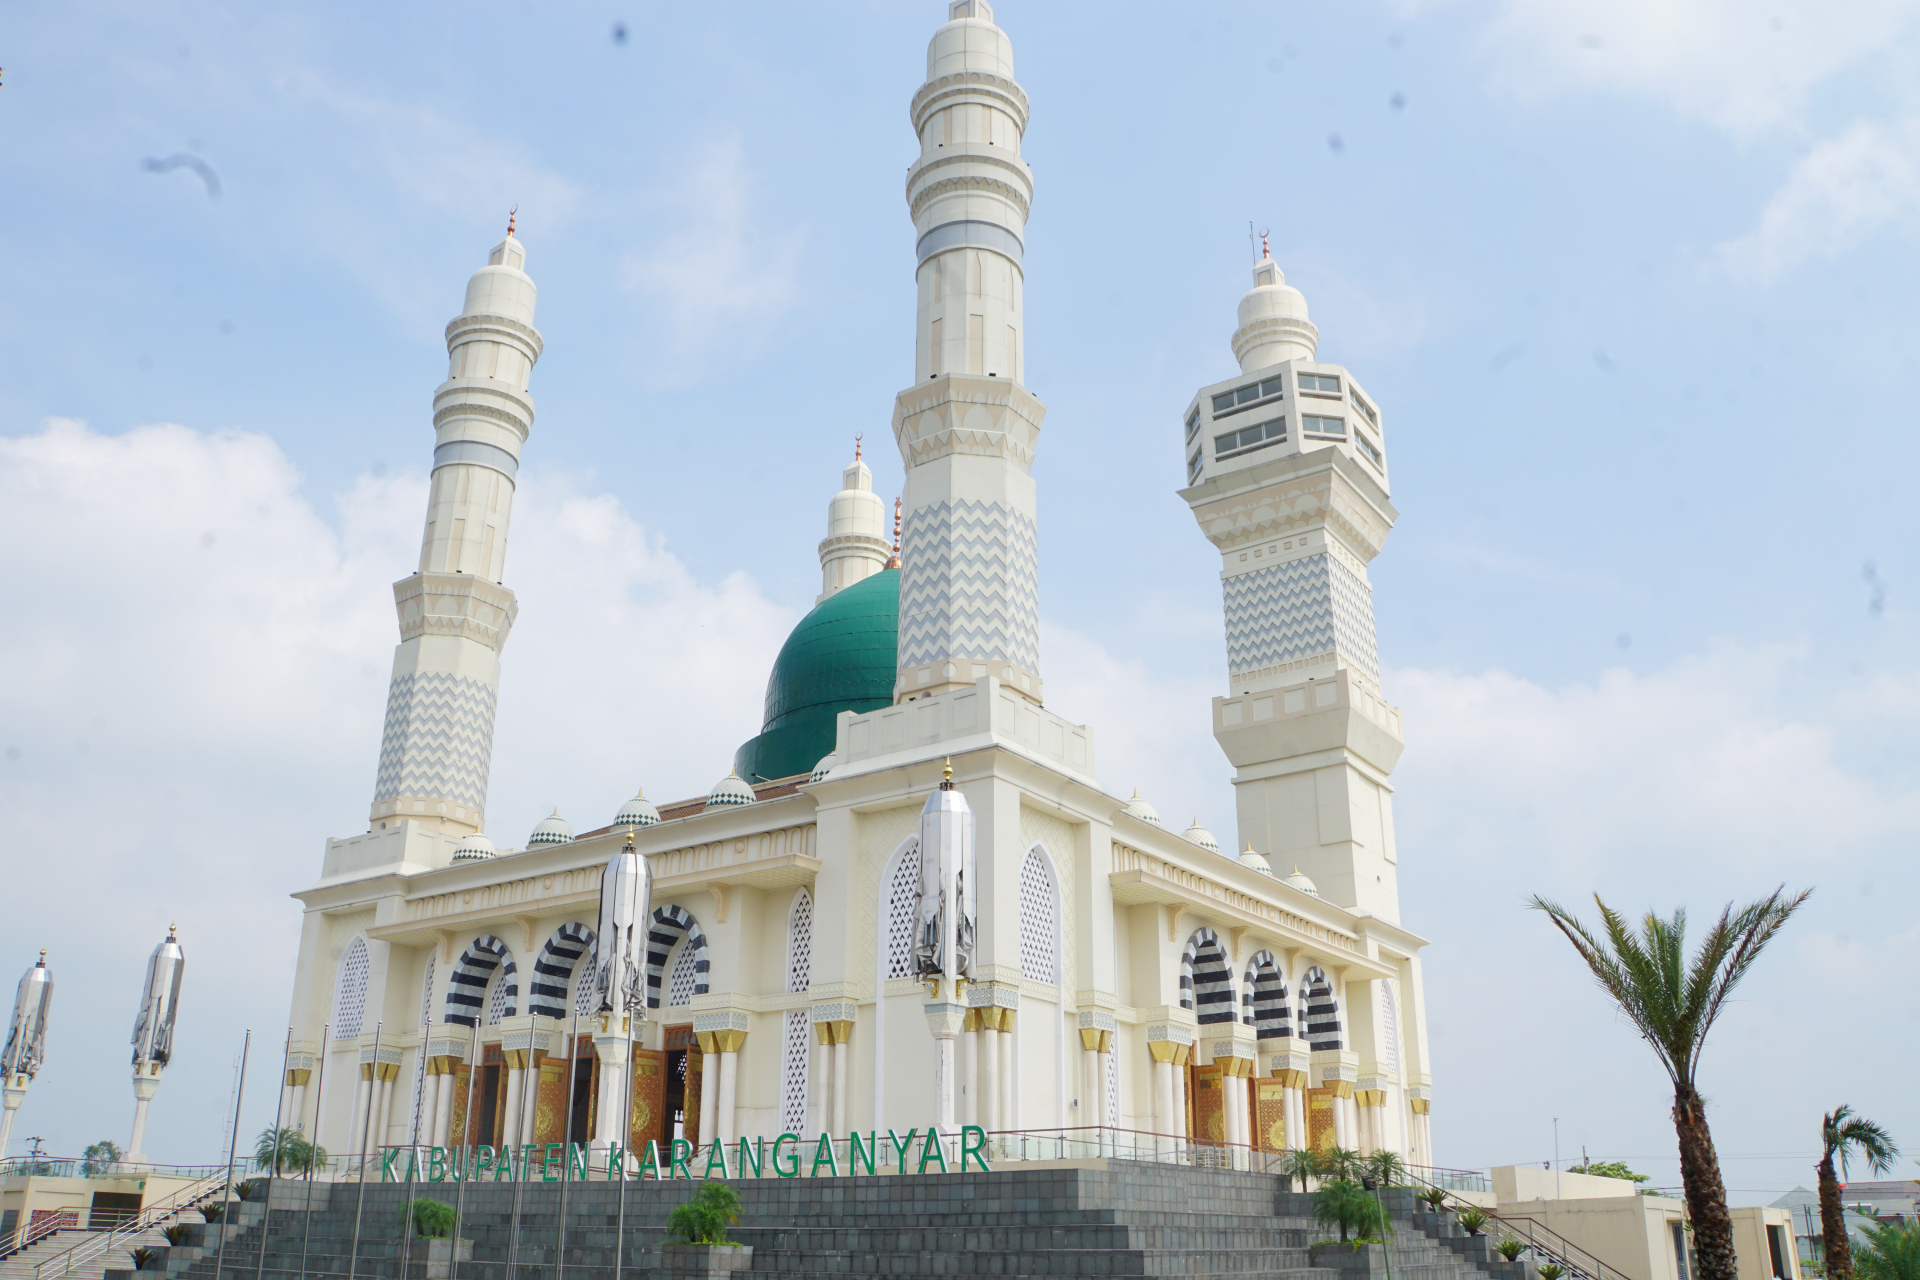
44 1224
81 1167
149 1217
1537 1238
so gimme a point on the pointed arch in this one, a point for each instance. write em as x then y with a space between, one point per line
671 924
1263 998
1320 1010
553 969
1206 980
467 985
350 989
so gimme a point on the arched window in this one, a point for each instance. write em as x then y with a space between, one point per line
1039 920
1206 983
350 990
502 998
1389 1028
486 963
793 1058
553 969
903 902
1263 998
684 978
688 978
1320 1010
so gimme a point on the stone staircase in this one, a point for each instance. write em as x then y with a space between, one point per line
1117 1218
25 1265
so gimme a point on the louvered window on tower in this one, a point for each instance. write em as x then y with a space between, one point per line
1245 397
1319 384
1247 439
350 993
1193 466
1323 428
798 1043
1367 449
1360 403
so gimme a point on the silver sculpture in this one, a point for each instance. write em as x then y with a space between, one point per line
153 1032
944 936
26 1042
626 901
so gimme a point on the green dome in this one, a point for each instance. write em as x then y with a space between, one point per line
842 657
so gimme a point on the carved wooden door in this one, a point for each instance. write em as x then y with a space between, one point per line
1270 1115
649 1100
1209 1105
1320 1104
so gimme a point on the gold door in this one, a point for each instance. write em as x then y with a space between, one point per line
649 1100
1270 1115
1209 1112
1320 1118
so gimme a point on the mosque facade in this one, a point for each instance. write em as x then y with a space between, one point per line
1127 979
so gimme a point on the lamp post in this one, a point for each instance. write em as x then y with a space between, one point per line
153 1034
26 1042
620 984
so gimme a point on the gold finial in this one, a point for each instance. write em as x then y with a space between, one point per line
894 562
639 793
1264 252
856 448
510 213
1249 846
946 776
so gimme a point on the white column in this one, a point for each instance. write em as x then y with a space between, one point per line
1179 1072
610 1111
510 1108
357 1125
1164 1121
729 1085
383 1125
429 1107
842 1064
819 1082
14 1097
1009 1076
970 1073
990 1082
297 1107
1093 1109
709 1098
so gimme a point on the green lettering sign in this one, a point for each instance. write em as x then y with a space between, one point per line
779 1168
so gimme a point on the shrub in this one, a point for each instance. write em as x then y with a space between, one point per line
146 1259
213 1212
175 1234
1891 1252
1510 1248
1435 1197
251 1188
1386 1168
432 1218
705 1218
1471 1220
1552 1271
1299 1164
1345 1205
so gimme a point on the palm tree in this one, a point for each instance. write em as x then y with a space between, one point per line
288 1151
1673 1002
1385 1168
1299 1164
1840 1132
1892 1252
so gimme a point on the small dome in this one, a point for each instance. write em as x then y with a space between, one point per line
1300 882
1141 809
730 790
637 812
825 766
1256 861
1202 837
552 830
475 848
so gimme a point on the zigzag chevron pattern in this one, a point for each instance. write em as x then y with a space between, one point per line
438 739
1296 610
970 585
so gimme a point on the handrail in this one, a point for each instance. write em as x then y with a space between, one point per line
1547 1243
33 1233
100 1242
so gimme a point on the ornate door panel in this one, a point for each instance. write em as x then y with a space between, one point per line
691 1124
462 1078
550 1104
1209 1105
1320 1104
1270 1115
649 1100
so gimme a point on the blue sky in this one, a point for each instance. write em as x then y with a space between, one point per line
1630 282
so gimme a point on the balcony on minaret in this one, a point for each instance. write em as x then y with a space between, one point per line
1291 408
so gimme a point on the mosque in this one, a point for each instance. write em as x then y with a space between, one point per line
1127 979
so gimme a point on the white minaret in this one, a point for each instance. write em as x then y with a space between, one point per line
1286 468
967 429
455 612
856 544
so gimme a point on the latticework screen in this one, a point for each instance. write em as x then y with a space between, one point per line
1039 921
903 901
350 993
682 976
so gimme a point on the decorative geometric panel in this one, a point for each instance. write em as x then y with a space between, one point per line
1206 984
420 1058
903 904
500 1000
1389 1028
467 984
1113 1090
800 942
350 991
553 968
1298 610
683 983
668 926
969 585
1039 920
583 990
1263 998
793 1071
1320 1010
438 739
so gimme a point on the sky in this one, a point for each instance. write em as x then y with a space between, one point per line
1629 281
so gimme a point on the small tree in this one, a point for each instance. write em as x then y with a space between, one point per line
432 1218
288 1151
1608 1169
100 1158
1892 1252
1840 1133
1299 1164
705 1218
1386 1168
1345 1205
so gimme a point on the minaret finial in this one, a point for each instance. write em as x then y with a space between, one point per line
946 777
856 448
510 213
1264 251
894 561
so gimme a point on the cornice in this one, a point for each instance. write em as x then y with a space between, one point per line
967 84
460 326
923 190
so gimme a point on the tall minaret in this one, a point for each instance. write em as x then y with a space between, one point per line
856 544
1286 468
967 428
455 613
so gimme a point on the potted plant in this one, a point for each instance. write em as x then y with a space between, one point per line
1471 1220
148 1260
433 1222
1435 1198
697 1243
1552 1271
1510 1248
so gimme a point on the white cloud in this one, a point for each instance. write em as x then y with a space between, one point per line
1741 67
201 664
1843 191
721 269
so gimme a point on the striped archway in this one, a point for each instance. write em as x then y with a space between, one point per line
467 984
1319 1010
553 969
1263 998
669 925
1206 980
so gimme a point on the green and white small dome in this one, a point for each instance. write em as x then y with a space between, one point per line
1201 836
475 848
1255 861
1301 883
1141 809
637 812
825 766
729 791
552 830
